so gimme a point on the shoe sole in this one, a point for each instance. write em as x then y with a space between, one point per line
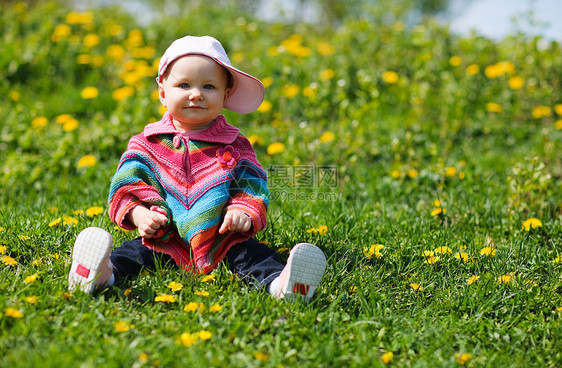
307 266
91 247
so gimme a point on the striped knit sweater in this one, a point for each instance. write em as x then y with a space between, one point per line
195 180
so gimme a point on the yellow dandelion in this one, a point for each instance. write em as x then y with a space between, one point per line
89 93
472 69
373 250
322 230
70 125
215 308
267 81
463 256
13 313
87 161
352 289
265 106
390 77
412 173
9 261
255 139
261 356
116 52
39 122
558 124
275 148
79 18
166 298
516 82
327 74
61 32
531 223
487 251
208 278
55 222
541 111
204 335
31 299
472 279
395 174
31 278
188 339
143 357
127 292
327 137
450 172
416 287
438 211
91 40
63 118
463 358
311 90
94 211
201 293
67 220
387 357
123 326
175 286
325 49
192 307
3 248
37 262
443 250
557 260
146 52
494 107
290 90
123 93
15 95
432 260
455 60
504 279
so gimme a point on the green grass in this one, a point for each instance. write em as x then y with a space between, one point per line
398 148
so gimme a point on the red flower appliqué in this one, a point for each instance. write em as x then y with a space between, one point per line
228 156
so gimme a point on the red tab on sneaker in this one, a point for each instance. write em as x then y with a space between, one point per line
299 288
82 271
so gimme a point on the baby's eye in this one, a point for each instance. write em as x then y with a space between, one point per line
184 85
208 86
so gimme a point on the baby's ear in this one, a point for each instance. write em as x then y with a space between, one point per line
162 94
226 95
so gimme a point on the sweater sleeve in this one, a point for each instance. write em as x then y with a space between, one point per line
134 183
248 191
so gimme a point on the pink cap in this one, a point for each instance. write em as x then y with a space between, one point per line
247 92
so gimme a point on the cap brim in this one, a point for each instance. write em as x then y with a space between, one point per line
247 93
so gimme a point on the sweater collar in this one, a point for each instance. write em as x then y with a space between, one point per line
219 132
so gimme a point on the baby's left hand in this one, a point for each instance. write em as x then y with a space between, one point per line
236 221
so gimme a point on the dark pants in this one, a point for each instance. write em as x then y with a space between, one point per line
253 262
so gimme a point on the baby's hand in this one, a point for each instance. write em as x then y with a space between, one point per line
147 221
235 221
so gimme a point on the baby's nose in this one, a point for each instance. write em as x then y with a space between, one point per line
194 93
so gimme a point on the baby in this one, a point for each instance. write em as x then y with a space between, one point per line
193 188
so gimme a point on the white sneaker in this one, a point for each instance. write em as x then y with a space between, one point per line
91 265
302 274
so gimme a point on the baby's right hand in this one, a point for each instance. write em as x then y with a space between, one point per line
147 221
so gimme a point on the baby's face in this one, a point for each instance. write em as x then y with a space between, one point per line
194 90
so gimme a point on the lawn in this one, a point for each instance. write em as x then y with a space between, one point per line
425 165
